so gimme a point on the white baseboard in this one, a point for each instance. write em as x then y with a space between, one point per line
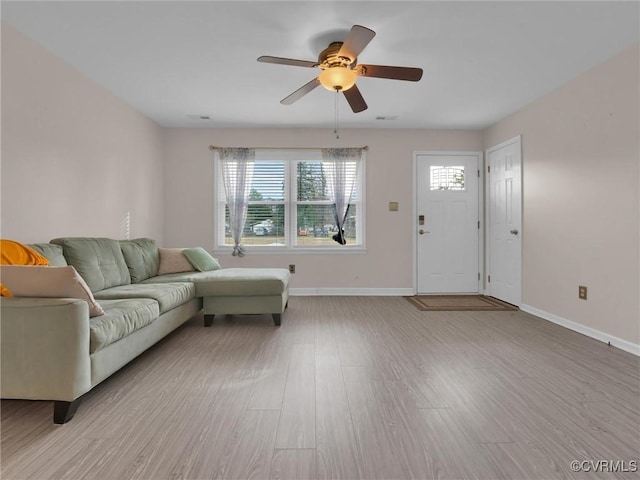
588 331
353 292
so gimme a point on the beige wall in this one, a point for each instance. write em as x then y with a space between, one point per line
388 262
75 159
581 161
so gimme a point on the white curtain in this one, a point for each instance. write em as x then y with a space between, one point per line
237 175
341 166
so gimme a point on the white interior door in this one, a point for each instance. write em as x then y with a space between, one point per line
504 222
447 229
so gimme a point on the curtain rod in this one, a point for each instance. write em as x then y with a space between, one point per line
213 147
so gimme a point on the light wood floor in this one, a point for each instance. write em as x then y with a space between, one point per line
347 388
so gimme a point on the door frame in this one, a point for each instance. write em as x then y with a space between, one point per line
517 138
414 210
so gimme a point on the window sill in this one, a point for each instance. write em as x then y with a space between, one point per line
355 250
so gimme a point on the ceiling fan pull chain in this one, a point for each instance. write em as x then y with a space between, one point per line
336 118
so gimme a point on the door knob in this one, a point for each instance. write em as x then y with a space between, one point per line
422 232
514 231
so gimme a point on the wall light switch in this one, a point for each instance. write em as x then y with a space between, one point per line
393 206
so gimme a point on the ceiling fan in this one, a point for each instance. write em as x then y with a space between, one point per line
340 70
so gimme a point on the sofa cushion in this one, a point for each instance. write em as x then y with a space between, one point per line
172 260
233 282
121 318
168 295
98 260
141 256
52 252
201 259
183 277
48 282
197 278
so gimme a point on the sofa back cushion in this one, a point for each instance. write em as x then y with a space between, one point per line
52 252
141 256
98 260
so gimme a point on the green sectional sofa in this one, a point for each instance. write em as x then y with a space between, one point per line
53 350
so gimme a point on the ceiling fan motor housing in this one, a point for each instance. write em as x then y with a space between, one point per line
329 57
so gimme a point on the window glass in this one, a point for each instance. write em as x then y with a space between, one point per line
447 178
266 211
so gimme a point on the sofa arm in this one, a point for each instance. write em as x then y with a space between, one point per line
44 348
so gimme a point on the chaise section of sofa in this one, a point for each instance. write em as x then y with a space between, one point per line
237 291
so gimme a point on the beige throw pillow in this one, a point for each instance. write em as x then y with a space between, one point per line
49 282
172 260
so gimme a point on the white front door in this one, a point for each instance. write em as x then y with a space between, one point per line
504 222
447 229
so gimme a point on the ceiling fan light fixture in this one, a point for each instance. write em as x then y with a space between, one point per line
340 69
338 78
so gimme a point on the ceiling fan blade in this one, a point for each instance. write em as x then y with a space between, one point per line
394 73
287 61
358 38
355 99
301 92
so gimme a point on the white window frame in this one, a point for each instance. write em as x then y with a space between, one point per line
291 157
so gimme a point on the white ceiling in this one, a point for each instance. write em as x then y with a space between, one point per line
481 60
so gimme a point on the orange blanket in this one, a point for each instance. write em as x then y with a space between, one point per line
14 253
4 291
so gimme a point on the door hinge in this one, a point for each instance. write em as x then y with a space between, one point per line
489 168
489 278
478 224
478 173
478 276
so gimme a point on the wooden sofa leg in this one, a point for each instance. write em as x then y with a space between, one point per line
277 319
64 411
208 320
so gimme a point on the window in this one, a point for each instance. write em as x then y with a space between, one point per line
447 178
292 203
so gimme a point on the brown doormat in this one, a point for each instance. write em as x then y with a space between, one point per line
458 303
